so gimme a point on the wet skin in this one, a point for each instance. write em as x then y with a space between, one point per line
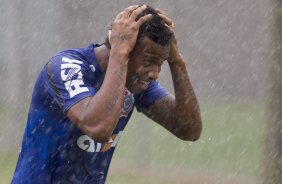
144 64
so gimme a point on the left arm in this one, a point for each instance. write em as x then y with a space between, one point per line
180 114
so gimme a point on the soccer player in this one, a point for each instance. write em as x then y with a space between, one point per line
84 97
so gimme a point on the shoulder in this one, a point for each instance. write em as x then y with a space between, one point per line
152 94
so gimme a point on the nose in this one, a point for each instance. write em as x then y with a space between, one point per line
154 72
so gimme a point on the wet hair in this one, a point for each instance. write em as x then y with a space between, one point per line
154 28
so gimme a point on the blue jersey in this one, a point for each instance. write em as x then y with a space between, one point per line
53 149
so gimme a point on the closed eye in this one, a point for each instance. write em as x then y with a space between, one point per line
147 63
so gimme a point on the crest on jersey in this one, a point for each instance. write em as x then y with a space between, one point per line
127 104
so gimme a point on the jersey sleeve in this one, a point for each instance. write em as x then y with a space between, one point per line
154 92
69 79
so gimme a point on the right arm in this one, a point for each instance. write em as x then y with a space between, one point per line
98 116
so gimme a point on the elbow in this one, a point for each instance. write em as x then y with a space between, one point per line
193 136
101 139
188 127
101 131
191 133
98 127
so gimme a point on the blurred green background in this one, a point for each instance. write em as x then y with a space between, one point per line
229 150
229 47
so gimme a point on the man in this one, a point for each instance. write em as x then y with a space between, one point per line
84 97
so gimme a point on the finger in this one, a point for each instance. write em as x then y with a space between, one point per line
119 15
109 34
126 11
137 11
160 11
169 27
167 20
129 10
143 19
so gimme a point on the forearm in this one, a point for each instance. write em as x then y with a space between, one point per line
186 114
184 93
113 87
104 108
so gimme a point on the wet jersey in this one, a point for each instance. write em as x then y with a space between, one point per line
53 149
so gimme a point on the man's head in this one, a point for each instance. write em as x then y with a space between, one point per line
151 49
154 28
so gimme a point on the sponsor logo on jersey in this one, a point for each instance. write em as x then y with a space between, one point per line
87 144
72 76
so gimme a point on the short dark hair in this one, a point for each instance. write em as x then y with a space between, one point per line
154 28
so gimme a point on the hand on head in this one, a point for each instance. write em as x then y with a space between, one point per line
128 23
169 23
125 27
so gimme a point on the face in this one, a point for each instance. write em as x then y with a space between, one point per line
145 64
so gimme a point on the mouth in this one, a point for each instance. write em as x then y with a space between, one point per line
143 83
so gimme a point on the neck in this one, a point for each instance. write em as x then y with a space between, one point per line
102 54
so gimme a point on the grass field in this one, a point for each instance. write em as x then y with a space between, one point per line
231 144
